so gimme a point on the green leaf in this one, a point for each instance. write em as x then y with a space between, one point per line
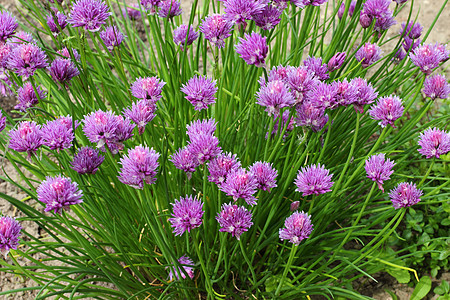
445 222
422 288
443 288
401 275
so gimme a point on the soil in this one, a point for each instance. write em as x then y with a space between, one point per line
426 9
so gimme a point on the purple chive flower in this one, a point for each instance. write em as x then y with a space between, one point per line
27 96
379 10
132 12
25 59
434 142
436 87
234 219
276 73
314 65
274 96
184 160
5 84
188 267
314 2
100 127
63 70
59 193
379 169
2 121
427 57
221 166
314 179
112 37
201 127
268 18
445 54
138 167
187 214
253 49
238 11
294 206
346 92
240 184
87 160
20 38
298 227
266 175
300 80
311 116
169 9
399 56
216 29
149 88
65 53
8 25
90 14
387 110
179 36
351 9
405 194
323 95
368 54
27 137
410 44
9 234
57 135
284 119
150 5
59 25
335 63
412 30
124 132
141 112
204 147
5 51
365 94
200 92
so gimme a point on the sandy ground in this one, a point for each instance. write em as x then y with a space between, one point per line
426 9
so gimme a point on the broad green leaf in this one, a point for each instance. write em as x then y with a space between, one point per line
422 288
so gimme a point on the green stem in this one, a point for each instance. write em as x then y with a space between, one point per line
243 251
428 172
286 269
203 266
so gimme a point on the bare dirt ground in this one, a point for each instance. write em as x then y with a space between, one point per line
426 9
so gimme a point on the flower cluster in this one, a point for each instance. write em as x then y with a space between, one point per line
434 143
112 37
56 21
187 214
297 228
87 160
436 87
188 268
234 219
58 134
428 57
58 193
89 14
387 110
25 59
405 194
216 29
169 8
368 54
253 49
182 37
9 234
378 10
27 137
200 92
63 70
8 26
28 97
314 179
139 167
379 169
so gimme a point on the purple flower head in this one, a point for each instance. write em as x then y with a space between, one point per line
169 8
365 94
445 54
434 142
27 96
63 70
9 234
238 11
282 4
335 63
387 110
184 160
351 9
65 53
138 167
311 116
201 127
59 193
409 44
314 2
276 73
253 49
379 169
124 132
346 92
149 88
57 135
141 112
234 219
59 25
297 228
268 18
323 95
90 14
20 38
132 12
204 147
427 57
274 96
67 121
25 59
2 121
314 65
87 160
112 37
436 87
240 184
27 137
8 25
200 92
221 166
412 30
284 119
5 84
399 56
150 5
266 175
368 54
5 51
405 194
216 29
188 268
378 9
187 214
100 127
179 36
314 179
301 80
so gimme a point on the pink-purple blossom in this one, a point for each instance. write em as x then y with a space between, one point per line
181 32
149 88
89 14
234 219
57 135
297 227
379 169
221 166
253 49
9 234
188 267
268 18
2 121
87 160
239 11
266 175
25 59
28 97
368 54
365 94
201 127
58 193
310 115
314 179
63 70
427 57
139 166
351 9
405 194
183 159
169 8
8 26
141 112
241 184
100 127
204 147
317 67
26 137
436 86
112 37
59 25
132 12
335 62
412 30
301 80
387 110
274 96
187 214
216 29
200 92
434 142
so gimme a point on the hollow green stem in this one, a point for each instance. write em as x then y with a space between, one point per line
428 172
286 269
